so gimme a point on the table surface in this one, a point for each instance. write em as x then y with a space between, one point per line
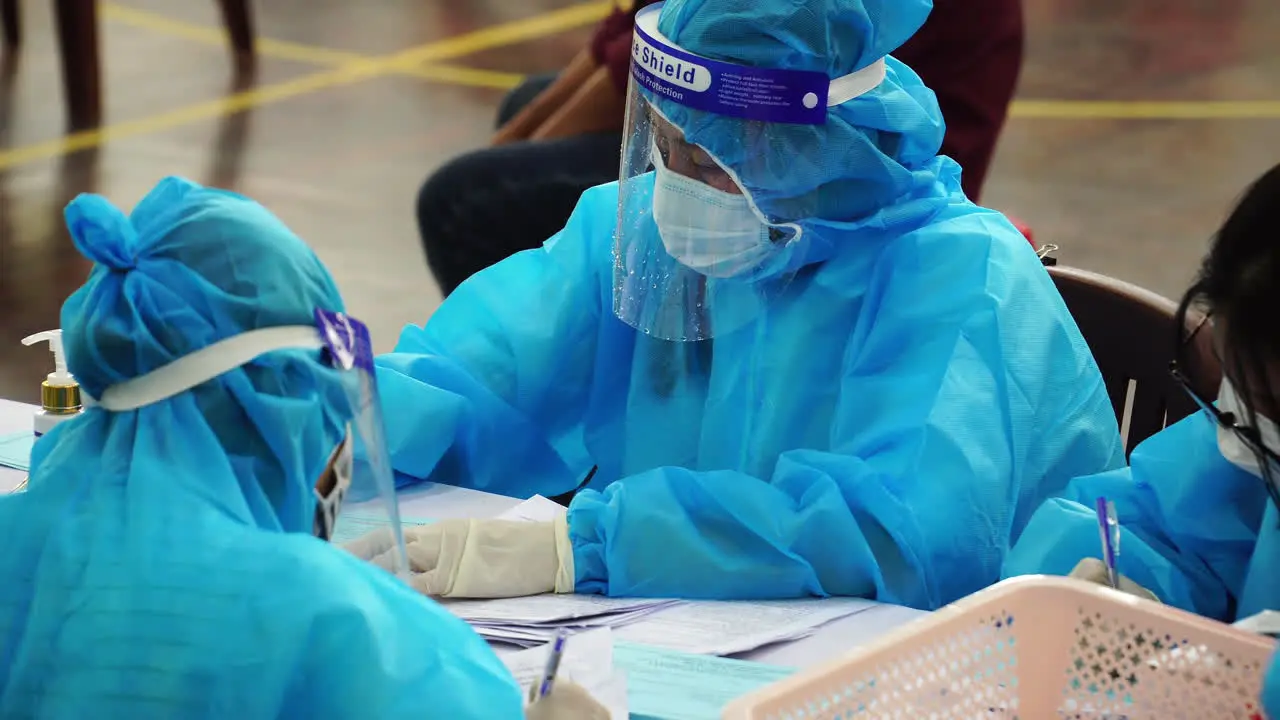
441 502
14 417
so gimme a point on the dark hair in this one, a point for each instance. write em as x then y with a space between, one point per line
1239 283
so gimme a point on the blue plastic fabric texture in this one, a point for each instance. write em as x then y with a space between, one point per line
1198 531
876 155
884 429
160 564
1271 689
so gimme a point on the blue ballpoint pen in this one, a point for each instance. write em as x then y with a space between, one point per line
553 664
1109 529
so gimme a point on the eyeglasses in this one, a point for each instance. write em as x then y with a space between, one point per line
1247 435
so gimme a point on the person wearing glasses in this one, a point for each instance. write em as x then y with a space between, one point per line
1198 504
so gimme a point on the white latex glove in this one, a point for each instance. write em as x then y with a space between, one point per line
1095 571
479 558
566 701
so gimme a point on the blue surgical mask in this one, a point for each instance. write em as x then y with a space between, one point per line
710 231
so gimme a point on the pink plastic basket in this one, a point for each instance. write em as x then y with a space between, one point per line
1033 648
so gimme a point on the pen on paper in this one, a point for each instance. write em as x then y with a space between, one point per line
553 664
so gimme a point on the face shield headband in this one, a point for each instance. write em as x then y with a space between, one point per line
359 464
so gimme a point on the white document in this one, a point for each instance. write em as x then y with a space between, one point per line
535 509
543 609
515 635
615 618
727 627
710 627
1266 622
587 661
613 695
530 634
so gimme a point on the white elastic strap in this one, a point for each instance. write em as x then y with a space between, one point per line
206 364
847 87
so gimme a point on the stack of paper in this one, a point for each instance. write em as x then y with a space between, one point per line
587 661
530 621
705 627
712 627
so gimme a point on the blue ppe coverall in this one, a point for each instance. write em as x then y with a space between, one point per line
161 563
883 428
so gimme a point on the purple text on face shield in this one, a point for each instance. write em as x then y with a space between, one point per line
767 95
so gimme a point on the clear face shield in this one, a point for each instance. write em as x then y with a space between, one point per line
358 465
694 254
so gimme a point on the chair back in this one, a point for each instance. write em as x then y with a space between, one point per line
1131 334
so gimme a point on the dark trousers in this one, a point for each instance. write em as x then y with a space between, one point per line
491 203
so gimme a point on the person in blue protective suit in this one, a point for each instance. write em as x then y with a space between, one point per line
164 562
802 362
1198 504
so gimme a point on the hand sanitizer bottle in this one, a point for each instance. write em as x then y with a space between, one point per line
59 393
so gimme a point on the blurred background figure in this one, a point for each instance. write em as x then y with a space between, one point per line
559 135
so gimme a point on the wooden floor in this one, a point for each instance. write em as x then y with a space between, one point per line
1138 123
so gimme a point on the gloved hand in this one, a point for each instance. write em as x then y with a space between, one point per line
479 558
566 701
1095 571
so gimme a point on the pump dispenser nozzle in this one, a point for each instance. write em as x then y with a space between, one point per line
60 393
59 377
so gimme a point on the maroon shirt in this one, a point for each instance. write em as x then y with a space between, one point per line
969 52
611 45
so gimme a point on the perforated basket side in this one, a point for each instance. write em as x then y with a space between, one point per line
1143 661
1033 648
